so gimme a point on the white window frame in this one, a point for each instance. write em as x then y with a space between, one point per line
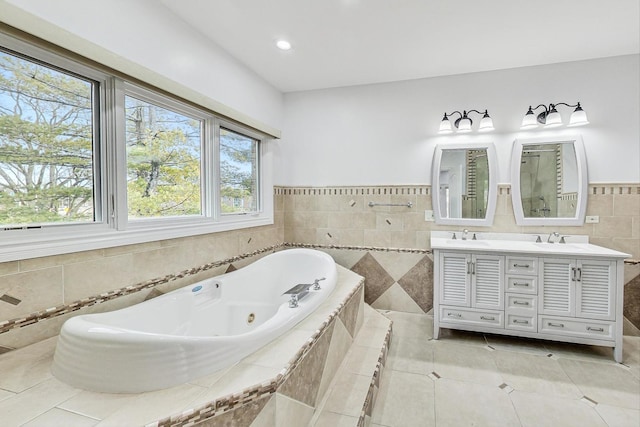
115 229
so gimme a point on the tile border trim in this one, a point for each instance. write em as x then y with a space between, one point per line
595 189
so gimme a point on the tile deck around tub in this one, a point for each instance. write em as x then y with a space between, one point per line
30 395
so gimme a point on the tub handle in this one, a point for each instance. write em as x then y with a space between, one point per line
316 284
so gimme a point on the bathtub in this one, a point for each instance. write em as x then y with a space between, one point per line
192 331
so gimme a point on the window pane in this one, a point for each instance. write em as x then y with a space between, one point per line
46 145
163 161
238 172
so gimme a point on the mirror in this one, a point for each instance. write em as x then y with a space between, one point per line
464 184
549 181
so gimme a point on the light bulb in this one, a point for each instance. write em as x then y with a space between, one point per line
578 117
553 118
464 125
529 120
445 125
486 124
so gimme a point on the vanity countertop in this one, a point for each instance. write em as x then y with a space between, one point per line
521 243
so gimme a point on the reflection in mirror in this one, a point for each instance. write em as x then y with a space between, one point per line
550 182
462 182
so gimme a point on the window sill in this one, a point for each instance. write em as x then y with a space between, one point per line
19 249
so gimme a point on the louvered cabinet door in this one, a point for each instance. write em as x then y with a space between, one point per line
455 279
557 291
488 282
595 289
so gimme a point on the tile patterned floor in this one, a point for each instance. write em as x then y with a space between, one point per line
473 379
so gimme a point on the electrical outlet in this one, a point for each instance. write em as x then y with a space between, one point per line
592 219
428 216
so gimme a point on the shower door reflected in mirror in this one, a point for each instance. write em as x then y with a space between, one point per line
550 182
464 192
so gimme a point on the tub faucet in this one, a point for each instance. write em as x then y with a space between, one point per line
464 234
293 302
554 234
316 284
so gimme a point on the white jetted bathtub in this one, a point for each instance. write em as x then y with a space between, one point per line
195 330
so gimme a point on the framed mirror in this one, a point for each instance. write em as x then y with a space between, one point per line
464 184
549 181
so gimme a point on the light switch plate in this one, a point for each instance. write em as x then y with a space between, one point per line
592 219
428 216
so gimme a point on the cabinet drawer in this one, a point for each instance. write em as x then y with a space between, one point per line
525 285
522 265
521 322
576 327
485 318
519 303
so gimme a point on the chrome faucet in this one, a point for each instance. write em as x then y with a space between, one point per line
464 234
554 234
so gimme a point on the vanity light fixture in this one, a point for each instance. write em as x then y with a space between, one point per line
550 117
463 123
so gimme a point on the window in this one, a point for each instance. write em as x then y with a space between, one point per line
48 145
163 161
238 172
92 159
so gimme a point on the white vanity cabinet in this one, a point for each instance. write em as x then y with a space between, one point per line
472 289
557 292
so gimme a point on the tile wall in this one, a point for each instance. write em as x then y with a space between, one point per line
389 245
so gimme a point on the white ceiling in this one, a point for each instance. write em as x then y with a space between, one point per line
351 42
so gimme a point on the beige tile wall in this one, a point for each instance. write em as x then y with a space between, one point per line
341 216
325 216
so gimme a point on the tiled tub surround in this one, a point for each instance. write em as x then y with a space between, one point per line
281 384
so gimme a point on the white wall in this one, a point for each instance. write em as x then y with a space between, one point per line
385 134
146 33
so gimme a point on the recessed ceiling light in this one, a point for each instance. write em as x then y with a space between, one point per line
283 45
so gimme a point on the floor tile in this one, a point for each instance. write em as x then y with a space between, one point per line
464 363
516 344
410 324
604 383
404 400
411 354
536 410
615 416
535 374
460 403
